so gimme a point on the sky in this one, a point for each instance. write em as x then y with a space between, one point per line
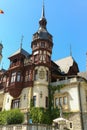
66 21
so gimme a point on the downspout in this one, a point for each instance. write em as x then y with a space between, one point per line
80 104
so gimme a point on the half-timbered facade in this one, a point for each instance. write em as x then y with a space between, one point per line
29 76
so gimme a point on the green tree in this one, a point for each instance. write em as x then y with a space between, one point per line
43 116
3 117
15 117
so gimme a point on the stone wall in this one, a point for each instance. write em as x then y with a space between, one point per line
85 120
27 127
75 118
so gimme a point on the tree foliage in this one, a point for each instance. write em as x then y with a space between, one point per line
3 117
15 117
11 117
43 116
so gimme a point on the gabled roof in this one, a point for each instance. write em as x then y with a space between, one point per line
65 63
20 51
83 75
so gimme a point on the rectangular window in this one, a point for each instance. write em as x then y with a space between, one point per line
18 77
71 125
47 74
34 101
7 82
27 76
35 75
46 102
13 77
56 102
42 44
65 100
60 101
16 103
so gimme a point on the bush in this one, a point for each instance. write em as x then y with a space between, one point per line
15 117
3 117
43 116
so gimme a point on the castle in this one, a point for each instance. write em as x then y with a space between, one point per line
29 76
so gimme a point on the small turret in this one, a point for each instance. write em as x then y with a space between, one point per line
1 47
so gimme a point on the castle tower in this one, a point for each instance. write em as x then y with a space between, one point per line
41 56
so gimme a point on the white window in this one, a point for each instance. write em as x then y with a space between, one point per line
56 102
65 100
16 103
61 101
26 76
13 77
18 77
7 82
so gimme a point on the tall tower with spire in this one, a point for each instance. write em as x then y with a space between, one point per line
41 45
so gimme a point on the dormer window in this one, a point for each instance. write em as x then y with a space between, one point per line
15 60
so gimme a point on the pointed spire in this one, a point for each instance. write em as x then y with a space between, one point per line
43 12
21 42
43 20
70 50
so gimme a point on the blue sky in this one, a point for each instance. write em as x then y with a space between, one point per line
66 21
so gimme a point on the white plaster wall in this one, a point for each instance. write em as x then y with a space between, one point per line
73 98
41 85
40 101
25 102
7 102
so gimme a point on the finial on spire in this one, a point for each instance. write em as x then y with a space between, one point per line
70 50
43 12
43 20
21 42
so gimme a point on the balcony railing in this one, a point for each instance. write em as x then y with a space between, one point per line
16 64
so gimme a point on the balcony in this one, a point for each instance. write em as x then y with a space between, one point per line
17 64
15 85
